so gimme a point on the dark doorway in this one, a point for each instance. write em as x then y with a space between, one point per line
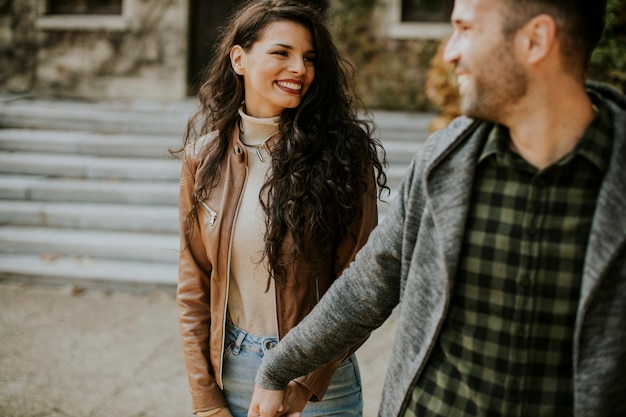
205 20
206 17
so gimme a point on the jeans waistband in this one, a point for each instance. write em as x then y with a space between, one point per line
251 342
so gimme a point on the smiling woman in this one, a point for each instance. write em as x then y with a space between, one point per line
278 193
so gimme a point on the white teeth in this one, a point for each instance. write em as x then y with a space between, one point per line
291 86
462 80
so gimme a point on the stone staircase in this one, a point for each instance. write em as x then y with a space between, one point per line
88 190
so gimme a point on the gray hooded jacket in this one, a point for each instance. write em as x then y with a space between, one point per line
411 259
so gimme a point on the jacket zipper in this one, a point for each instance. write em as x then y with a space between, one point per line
230 249
212 214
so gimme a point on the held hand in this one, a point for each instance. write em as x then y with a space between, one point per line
221 412
295 399
224 412
266 403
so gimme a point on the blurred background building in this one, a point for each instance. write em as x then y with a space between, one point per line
96 49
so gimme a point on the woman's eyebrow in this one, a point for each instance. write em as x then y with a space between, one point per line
284 45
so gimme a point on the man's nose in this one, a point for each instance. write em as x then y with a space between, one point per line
451 52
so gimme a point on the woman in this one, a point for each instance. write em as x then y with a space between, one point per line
278 193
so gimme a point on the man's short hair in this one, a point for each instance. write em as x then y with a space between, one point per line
580 23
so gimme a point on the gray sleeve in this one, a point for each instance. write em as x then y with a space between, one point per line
355 305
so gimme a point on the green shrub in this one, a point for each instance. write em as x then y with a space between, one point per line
608 61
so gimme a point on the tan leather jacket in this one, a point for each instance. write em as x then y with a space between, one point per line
203 271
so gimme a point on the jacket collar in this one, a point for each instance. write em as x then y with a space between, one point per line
608 230
449 184
242 151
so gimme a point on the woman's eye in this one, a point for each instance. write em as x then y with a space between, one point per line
281 53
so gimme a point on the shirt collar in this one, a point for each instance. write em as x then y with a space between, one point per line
595 144
597 140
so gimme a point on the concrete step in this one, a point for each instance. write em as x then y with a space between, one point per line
395 173
97 244
89 192
401 153
84 166
88 167
406 124
131 218
115 116
142 146
159 193
121 145
38 188
160 117
109 217
86 272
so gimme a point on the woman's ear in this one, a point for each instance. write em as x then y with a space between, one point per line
237 57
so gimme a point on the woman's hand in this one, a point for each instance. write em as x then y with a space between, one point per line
273 403
266 403
295 399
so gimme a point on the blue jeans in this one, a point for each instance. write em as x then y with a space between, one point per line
242 357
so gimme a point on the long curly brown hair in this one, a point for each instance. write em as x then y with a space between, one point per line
326 157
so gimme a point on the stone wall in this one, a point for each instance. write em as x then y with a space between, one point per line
390 73
18 45
142 53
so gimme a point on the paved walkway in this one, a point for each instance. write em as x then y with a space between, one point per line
67 353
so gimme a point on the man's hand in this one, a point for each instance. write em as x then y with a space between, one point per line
266 403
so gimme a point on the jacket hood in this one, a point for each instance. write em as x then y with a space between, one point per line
608 93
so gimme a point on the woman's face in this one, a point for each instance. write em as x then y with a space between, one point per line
277 70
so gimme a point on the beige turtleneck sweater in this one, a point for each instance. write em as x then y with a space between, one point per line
250 307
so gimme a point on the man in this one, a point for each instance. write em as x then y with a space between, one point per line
506 248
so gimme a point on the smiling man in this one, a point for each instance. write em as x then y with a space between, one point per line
505 250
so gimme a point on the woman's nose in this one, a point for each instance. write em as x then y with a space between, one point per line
297 66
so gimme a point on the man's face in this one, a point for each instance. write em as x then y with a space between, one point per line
491 78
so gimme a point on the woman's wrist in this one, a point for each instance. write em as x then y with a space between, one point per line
209 413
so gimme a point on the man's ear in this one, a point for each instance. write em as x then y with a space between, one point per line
237 58
537 38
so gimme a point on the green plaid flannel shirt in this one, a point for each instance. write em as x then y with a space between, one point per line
505 348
